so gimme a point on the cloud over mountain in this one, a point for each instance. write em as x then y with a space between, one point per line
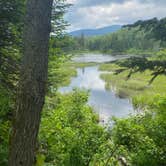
99 13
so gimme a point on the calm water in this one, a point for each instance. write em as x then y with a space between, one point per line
97 58
105 102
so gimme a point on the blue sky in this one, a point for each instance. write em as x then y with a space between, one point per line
99 13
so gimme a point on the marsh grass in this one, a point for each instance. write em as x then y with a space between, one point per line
81 64
137 87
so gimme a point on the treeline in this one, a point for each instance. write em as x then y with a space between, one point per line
143 36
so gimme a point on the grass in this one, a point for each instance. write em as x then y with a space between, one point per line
68 73
62 75
137 87
109 67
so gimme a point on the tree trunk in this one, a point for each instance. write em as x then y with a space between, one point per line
32 86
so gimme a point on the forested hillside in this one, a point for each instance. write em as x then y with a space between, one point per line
140 37
95 32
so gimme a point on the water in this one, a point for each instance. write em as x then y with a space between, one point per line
105 102
89 57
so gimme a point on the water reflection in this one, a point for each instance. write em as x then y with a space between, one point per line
97 58
105 102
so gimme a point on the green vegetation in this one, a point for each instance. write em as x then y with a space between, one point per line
60 72
70 133
81 64
11 15
138 140
141 38
141 85
6 106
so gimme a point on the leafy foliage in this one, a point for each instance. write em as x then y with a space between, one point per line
11 18
58 23
137 64
11 26
6 107
70 133
11 15
138 140
157 27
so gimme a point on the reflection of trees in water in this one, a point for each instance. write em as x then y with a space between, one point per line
83 70
98 108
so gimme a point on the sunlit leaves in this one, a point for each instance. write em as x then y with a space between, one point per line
70 133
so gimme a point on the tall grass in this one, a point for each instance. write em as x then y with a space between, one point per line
137 87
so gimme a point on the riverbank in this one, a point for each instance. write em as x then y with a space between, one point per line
103 101
81 64
131 52
138 139
136 87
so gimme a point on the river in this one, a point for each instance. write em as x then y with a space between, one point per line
105 102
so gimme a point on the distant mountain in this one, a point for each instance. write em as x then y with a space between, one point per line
94 32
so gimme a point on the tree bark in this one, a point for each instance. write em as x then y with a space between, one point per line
32 85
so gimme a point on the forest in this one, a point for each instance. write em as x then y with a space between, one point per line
142 37
40 126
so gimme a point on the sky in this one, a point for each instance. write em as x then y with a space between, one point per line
85 14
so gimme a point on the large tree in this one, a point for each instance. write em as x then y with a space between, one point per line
33 78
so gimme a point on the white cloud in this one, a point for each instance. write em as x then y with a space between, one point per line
71 1
107 13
